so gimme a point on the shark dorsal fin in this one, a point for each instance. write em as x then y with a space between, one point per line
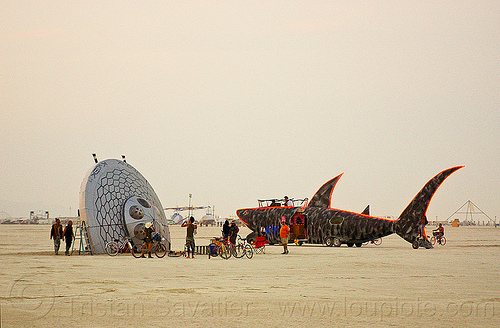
366 211
323 196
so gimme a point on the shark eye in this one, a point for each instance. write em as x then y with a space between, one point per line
245 213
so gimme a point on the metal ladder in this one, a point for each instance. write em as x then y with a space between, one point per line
82 240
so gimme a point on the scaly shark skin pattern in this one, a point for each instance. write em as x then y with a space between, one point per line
323 222
408 221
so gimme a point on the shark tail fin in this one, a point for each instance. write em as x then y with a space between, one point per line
409 220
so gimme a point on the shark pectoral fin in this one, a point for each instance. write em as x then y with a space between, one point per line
322 197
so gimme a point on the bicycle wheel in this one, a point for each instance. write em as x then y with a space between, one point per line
377 241
223 252
212 250
433 240
248 251
160 250
443 241
238 251
137 251
112 248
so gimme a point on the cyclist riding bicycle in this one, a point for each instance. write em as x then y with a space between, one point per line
439 232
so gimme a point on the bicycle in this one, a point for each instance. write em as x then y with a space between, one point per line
441 240
180 253
376 242
244 247
158 247
219 247
177 253
123 245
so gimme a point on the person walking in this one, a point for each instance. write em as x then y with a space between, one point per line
68 236
284 234
56 233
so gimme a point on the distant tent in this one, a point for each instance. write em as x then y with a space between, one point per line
207 220
176 218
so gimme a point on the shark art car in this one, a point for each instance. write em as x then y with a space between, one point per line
316 222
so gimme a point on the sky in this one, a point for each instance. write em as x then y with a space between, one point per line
234 101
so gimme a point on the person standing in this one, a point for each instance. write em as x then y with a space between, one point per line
233 233
148 239
191 230
56 233
226 230
68 236
284 234
421 226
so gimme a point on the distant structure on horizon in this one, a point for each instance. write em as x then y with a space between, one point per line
471 209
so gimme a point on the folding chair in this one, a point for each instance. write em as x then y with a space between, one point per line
260 245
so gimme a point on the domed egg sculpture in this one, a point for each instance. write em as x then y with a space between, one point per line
116 201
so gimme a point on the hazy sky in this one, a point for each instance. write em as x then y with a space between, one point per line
234 101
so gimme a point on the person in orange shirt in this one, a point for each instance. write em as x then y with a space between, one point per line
284 234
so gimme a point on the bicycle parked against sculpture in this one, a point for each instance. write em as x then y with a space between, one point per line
123 245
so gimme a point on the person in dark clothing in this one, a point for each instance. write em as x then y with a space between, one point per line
191 231
149 238
226 230
68 236
56 233
233 233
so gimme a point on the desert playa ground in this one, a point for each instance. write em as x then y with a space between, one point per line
392 285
